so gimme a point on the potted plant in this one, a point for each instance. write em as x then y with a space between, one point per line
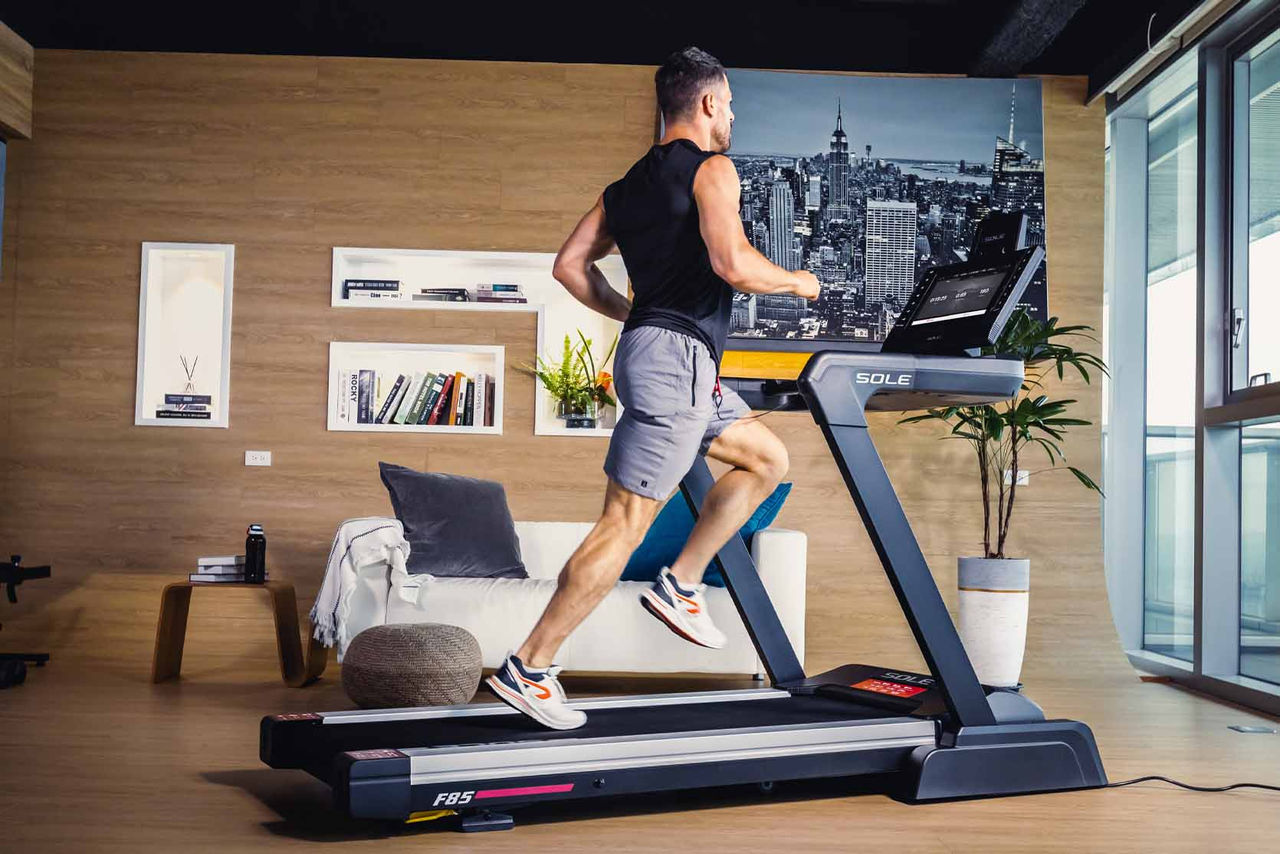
994 588
580 389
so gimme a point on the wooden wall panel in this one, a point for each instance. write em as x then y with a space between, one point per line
289 156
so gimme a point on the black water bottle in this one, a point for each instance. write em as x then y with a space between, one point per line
255 555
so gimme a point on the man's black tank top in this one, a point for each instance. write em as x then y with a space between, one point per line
652 216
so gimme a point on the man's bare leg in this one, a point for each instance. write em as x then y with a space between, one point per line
591 571
760 462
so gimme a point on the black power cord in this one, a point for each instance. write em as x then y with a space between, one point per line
1195 788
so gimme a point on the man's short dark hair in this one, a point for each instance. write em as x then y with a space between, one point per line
682 79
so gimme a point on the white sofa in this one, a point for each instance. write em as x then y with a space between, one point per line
619 636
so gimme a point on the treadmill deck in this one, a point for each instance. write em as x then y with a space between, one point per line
452 740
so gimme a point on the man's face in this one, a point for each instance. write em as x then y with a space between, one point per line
722 125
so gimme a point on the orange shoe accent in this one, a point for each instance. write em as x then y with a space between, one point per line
693 606
544 693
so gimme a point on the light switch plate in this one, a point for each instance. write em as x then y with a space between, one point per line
1024 477
257 458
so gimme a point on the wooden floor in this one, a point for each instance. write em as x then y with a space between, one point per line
98 759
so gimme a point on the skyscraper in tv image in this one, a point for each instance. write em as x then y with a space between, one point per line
948 152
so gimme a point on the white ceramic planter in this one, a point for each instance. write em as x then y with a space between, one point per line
993 600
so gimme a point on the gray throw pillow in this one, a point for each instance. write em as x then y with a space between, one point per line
455 525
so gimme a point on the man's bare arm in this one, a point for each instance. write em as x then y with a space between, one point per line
718 192
575 266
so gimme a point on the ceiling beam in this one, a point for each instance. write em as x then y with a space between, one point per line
1030 27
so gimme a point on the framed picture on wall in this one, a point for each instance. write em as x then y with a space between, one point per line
184 335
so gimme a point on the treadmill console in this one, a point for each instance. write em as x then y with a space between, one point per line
954 313
963 307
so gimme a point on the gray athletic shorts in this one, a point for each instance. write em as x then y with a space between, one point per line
666 383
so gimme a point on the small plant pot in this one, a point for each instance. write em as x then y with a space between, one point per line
994 594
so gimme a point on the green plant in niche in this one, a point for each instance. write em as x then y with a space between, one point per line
1001 433
575 380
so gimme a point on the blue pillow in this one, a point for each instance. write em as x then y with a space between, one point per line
668 533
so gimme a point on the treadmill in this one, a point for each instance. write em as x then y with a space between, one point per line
939 735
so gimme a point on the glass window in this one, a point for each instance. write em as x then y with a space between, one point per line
1260 552
1258 77
1168 593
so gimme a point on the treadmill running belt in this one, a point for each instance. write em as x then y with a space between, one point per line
314 744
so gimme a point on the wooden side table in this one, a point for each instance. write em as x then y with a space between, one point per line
171 632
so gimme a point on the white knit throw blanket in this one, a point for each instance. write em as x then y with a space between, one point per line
374 543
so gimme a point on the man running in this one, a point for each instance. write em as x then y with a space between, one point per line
674 217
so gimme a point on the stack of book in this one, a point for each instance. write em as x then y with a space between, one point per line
454 399
371 290
227 569
500 293
192 406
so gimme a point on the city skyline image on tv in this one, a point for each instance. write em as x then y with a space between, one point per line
871 181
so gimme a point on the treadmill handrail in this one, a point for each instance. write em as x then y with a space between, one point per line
838 387
863 376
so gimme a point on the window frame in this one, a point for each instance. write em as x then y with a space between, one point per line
1237 53
1221 409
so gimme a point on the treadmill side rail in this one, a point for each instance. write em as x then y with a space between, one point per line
361 792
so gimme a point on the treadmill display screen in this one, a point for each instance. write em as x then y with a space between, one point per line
960 296
893 689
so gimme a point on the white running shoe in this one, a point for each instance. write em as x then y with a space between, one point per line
536 692
683 611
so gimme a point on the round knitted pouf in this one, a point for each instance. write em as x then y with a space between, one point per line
411 664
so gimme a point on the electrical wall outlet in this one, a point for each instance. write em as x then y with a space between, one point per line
257 458
1024 477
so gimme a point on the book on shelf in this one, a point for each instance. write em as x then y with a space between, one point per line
220 560
501 298
201 578
462 402
365 411
406 399
433 395
478 416
351 395
351 287
420 381
443 294
375 296
389 403
453 403
446 387
468 408
488 403
420 398
230 569
340 405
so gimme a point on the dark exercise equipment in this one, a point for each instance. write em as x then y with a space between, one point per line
13 665
937 735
